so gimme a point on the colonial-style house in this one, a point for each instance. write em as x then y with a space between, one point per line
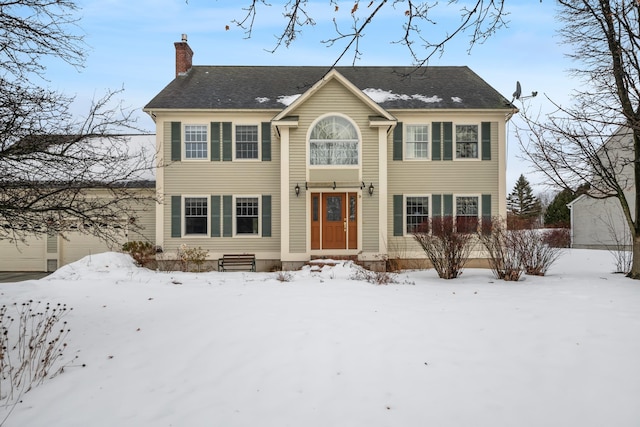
292 163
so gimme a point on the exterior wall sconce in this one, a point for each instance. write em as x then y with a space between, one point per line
371 189
297 189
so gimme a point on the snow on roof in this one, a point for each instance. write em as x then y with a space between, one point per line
379 96
288 99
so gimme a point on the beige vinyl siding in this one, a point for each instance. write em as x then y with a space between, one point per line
144 213
370 204
221 178
334 175
297 205
456 177
334 98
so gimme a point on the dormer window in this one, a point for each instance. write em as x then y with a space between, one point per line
333 142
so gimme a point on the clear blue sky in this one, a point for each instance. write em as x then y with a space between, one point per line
130 45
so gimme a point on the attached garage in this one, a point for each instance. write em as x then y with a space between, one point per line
48 253
135 221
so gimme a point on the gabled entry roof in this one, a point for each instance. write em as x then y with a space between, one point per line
266 87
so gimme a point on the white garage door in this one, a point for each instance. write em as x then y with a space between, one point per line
28 256
80 245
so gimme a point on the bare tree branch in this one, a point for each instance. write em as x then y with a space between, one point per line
589 141
59 172
480 19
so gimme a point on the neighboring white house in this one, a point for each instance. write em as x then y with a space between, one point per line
598 223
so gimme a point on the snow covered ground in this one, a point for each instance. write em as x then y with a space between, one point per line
244 349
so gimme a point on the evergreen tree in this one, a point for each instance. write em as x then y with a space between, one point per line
521 203
558 213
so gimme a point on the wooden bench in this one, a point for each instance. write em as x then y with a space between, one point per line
237 262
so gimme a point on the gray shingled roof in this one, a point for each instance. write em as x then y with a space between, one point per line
260 87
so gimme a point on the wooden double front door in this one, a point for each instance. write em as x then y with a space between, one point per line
334 220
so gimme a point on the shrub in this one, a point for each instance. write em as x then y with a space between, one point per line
504 249
188 256
537 254
374 277
447 249
31 347
557 237
283 276
143 253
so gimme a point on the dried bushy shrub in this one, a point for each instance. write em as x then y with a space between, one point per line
447 249
504 249
283 276
188 256
143 253
537 254
374 277
32 343
557 237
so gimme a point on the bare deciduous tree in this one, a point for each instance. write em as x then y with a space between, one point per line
56 170
478 18
569 145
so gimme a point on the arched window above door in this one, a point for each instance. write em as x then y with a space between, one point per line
333 141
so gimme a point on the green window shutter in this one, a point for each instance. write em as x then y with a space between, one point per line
436 205
486 206
227 149
227 216
436 140
215 141
447 201
215 216
266 141
397 142
486 213
266 216
448 141
176 216
176 141
486 140
398 209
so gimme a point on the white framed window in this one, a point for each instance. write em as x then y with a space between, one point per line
247 215
247 146
196 217
334 141
195 142
467 141
417 141
467 213
416 214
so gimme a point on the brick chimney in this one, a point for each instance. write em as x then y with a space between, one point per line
184 56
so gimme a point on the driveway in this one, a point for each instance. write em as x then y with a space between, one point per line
12 276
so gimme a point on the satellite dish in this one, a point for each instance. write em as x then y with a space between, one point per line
518 92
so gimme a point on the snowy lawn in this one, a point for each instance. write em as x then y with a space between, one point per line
243 349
